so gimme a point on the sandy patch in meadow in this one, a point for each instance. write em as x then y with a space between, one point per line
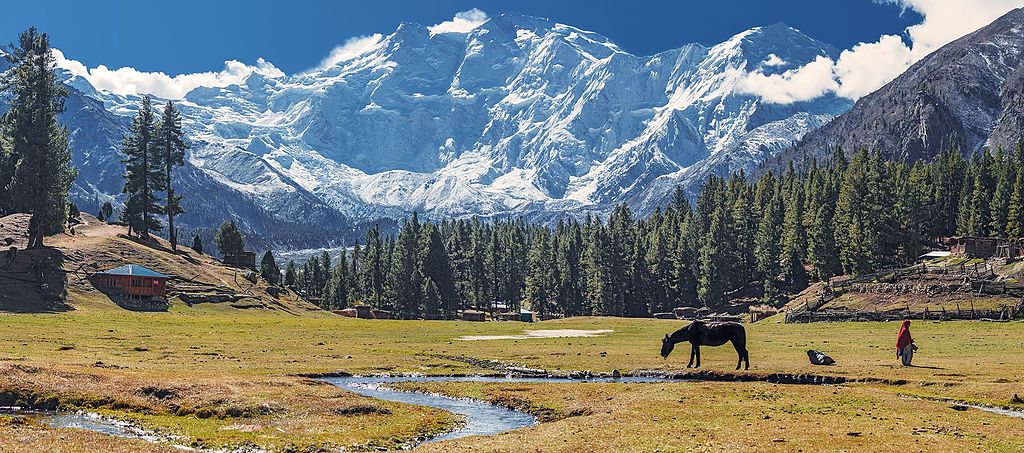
532 334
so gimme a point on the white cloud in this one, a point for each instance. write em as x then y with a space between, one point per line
773 60
808 82
353 47
867 66
463 22
128 80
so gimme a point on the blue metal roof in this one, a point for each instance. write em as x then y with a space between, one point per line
136 270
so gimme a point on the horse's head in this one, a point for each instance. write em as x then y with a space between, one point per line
666 346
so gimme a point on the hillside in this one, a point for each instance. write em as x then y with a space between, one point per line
56 278
967 94
953 287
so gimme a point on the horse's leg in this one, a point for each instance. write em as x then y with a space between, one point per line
693 353
740 350
696 349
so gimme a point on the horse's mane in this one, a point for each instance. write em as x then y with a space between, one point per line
681 333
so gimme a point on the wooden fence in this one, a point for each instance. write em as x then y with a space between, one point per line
1004 313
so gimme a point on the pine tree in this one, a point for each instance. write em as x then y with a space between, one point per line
1015 216
1000 207
170 146
684 264
822 253
406 279
540 278
710 285
794 242
197 244
106 211
435 265
143 172
854 216
336 291
571 297
37 145
766 244
290 275
269 269
432 304
229 239
373 271
7 167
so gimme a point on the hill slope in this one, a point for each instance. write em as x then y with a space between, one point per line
968 94
55 278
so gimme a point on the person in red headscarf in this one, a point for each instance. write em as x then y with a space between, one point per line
905 346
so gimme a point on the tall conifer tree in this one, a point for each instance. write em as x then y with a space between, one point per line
38 156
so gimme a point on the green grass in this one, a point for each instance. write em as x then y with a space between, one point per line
222 360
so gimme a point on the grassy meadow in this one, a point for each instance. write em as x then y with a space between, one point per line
221 377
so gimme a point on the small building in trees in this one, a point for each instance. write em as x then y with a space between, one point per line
244 259
133 281
982 247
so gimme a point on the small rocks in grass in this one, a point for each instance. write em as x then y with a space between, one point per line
361 409
65 348
958 407
853 434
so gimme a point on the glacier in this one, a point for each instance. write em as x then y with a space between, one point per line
518 116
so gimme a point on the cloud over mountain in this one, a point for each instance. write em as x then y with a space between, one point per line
128 80
868 66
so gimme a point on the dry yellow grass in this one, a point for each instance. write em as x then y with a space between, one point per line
227 376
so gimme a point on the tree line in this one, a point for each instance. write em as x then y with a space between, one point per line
742 238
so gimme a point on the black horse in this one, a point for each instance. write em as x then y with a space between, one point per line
699 333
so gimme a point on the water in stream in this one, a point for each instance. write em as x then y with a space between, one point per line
86 420
481 418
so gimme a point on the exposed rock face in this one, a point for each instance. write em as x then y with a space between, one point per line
968 94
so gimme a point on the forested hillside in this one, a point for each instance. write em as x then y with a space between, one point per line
752 239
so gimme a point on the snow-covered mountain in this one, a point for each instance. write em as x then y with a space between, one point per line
519 115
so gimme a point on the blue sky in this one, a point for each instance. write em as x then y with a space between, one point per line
192 36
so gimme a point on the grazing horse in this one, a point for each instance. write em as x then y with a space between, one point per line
699 333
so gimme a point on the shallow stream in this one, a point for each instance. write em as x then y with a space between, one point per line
481 418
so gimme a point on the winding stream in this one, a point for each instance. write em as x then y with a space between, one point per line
481 418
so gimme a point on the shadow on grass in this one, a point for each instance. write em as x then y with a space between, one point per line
34 282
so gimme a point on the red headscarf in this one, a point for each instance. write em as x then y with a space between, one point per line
904 338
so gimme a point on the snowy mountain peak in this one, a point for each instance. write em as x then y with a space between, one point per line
517 114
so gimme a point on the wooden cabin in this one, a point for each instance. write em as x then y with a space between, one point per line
245 259
981 247
132 280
